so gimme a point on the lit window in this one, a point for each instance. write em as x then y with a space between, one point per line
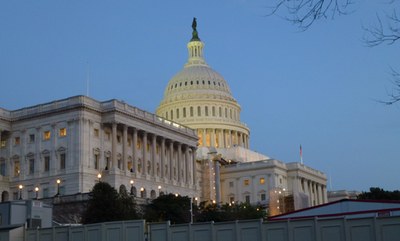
17 140
46 135
246 182
96 132
3 143
129 141
17 168
262 180
138 144
108 135
63 132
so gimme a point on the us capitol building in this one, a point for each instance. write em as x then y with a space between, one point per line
195 145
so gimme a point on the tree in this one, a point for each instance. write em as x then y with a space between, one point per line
228 212
303 13
105 205
376 193
168 207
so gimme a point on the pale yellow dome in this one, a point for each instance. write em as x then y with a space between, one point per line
200 98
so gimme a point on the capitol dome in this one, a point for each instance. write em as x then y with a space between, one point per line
200 98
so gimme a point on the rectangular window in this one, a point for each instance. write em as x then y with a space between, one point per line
17 168
46 135
206 111
46 163
31 165
213 110
63 132
184 112
138 144
262 180
17 140
3 143
62 160
263 197
108 135
3 167
191 111
247 198
246 182
198 111
31 138
45 192
96 132
230 184
177 113
96 161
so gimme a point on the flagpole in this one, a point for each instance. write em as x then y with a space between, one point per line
301 154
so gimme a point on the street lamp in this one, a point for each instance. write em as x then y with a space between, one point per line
20 191
99 177
141 192
132 187
37 192
159 190
58 187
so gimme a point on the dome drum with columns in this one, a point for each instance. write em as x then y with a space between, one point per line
200 98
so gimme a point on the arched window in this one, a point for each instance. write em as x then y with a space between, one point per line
191 111
198 111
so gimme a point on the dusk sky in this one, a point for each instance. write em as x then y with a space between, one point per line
317 88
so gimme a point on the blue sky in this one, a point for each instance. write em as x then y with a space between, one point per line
315 88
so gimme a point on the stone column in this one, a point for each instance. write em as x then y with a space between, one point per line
114 146
171 157
179 160
162 157
187 165
134 151
217 183
194 168
153 155
145 156
212 137
124 147
204 137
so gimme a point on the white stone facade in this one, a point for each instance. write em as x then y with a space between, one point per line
76 139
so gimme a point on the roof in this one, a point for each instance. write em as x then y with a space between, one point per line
345 207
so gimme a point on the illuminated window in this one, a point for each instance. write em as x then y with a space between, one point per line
108 135
246 182
17 140
96 132
129 141
46 135
17 168
63 132
262 180
148 147
3 143
138 144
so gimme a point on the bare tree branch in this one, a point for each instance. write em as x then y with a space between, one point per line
380 33
304 13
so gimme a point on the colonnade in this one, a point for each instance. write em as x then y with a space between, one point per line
152 156
222 138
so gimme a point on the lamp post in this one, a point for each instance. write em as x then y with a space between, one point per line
58 187
99 177
132 186
36 192
20 191
159 190
141 192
